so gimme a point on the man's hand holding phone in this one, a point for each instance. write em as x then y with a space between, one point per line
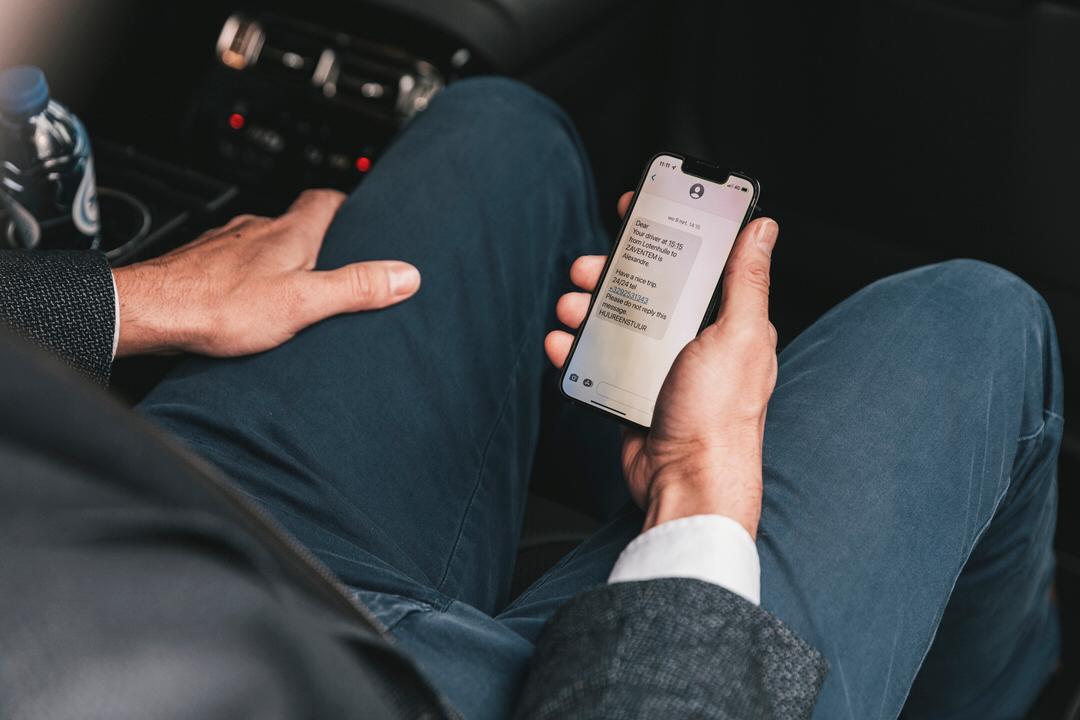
702 454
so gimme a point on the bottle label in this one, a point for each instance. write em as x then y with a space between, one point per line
84 211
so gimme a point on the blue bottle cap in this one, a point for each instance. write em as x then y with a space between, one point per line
23 92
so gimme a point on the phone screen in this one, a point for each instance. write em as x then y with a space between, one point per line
657 288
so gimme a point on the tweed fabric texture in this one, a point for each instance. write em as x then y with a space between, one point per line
672 648
62 301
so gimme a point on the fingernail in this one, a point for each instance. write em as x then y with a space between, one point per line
765 237
404 279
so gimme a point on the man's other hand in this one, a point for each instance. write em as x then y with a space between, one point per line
703 452
250 286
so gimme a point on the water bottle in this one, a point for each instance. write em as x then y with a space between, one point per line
46 170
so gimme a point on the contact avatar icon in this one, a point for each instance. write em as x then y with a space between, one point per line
697 190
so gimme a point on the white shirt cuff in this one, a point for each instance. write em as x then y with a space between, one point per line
712 548
116 316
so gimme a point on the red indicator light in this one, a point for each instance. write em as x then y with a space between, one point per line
237 121
363 164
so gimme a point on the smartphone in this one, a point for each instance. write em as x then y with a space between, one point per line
660 285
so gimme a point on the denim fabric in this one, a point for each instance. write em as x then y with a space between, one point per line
910 451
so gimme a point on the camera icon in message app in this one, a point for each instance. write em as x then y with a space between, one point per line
573 377
697 190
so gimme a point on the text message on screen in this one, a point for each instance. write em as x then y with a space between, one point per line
647 277
657 288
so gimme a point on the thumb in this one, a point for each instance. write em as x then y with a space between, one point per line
746 277
360 286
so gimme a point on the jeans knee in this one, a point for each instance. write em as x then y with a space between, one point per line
500 109
506 137
494 90
983 319
993 293
979 276
1017 316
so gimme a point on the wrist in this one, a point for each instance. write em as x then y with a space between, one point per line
150 321
706 488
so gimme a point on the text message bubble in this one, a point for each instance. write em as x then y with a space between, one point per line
647 276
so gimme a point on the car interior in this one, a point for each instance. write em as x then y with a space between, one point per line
886 135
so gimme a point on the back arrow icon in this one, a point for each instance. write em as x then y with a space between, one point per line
653 177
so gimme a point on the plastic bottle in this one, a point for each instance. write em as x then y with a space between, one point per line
47 180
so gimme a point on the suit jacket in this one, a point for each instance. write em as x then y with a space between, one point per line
138 583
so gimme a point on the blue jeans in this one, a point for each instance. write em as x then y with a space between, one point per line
910 452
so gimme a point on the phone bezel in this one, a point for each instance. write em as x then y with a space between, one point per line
694 167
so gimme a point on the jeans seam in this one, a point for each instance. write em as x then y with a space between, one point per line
975 543
1033 435
421 604
1042 426
592 210
390 628
522 345
940 613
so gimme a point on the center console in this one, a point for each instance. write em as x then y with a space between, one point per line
290 104
149 207
283 105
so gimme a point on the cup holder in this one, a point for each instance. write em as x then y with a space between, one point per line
125 223
147 207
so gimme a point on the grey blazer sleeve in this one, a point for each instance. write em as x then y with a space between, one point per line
671 648
63 301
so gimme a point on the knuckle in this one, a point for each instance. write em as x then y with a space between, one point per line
331 195
753 341
746 333
755 275
243 219
361 287
235 225
252 223
322 196
282 225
